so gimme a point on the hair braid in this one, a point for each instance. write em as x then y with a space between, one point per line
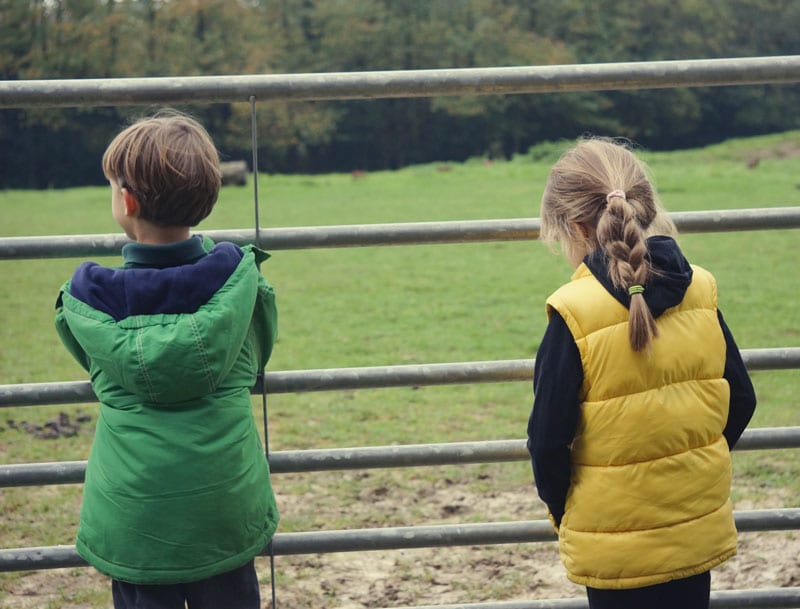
621 237
598 196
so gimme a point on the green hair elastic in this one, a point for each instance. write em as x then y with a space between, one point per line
636 289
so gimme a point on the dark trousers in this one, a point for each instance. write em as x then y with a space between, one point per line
237 589
689 593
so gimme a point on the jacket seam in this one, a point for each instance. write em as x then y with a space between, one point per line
202 353
142 363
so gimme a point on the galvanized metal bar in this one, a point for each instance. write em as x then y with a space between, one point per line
749 521
39 558
275 239
393 538
729 220
409 233
408 375
38 474
771 359
410 455
768 438
550 603
368 377
401 83
401 538
299 381
464 453
770 598
56 392
759 598
315 460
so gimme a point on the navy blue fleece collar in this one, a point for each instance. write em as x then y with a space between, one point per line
121 293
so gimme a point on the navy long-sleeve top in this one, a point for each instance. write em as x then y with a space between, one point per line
558 374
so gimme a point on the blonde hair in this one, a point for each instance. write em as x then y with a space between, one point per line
577 213
170 164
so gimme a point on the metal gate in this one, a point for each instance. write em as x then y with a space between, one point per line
370 85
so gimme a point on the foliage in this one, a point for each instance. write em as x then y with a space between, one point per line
42 39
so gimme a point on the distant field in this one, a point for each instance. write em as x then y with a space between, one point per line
401 305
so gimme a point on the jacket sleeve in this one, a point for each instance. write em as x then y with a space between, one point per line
265 314
743 396
265 319
557 379
66 336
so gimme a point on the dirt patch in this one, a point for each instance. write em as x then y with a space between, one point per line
56 589
429 576
52 429
425 576
480 574
504 573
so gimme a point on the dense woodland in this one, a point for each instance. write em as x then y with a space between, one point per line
116 38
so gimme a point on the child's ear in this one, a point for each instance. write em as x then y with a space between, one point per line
131 204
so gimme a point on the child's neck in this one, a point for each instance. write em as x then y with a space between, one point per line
153 234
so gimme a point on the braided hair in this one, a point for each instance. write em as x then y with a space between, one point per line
598 196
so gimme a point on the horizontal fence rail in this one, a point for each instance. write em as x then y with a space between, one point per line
401 83
409 455
368 377
410 233
771 598
393 538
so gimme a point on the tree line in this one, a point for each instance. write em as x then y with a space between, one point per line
123 38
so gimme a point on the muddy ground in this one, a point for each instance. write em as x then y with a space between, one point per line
427 576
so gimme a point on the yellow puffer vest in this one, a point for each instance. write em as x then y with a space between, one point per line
649 498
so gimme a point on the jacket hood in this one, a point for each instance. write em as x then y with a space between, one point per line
667 283
165 335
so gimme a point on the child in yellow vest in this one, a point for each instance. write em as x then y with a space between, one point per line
640 392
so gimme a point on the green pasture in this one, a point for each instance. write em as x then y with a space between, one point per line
405 305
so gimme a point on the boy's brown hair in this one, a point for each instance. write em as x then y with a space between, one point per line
170 164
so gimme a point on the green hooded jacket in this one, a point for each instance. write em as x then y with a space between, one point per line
177 486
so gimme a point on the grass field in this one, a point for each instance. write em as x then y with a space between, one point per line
400 305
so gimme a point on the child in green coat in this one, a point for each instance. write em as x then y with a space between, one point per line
177 500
